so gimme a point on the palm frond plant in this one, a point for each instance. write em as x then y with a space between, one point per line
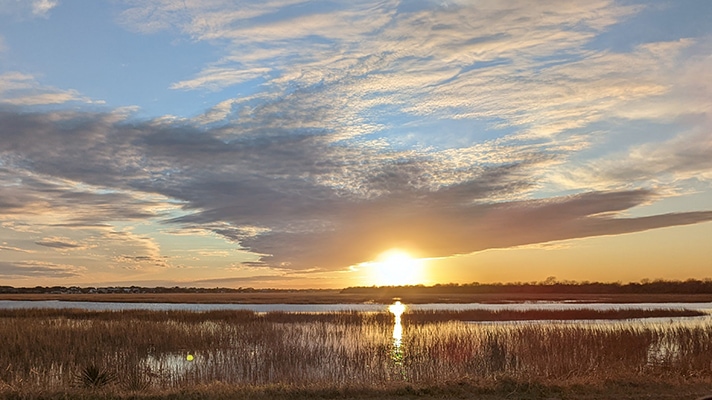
93 376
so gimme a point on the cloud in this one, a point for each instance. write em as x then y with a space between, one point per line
337 154
530 71
69 204
137 262
42 7
129 250
60 243
674 155
514 65
503 62
19 226
295 197
217 78
247 280
20 89
671 164
155 15
442 227
38 269
28 8
11 248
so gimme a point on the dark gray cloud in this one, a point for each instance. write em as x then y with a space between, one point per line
58 243
296 194
442 228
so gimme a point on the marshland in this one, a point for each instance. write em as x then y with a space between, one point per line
491 354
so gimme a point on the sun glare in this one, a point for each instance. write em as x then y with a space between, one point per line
397 267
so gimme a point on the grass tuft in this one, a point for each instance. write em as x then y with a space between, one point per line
94 377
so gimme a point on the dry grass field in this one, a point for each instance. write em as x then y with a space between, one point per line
63 354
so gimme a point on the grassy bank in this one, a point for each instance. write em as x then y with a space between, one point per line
504 390
56 353
353 317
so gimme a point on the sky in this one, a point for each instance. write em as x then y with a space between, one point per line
327 144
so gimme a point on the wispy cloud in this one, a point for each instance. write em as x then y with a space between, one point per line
42 7
28 8
11 248
67 203
220 77
38 269
672 163
20 89
60 243
456 59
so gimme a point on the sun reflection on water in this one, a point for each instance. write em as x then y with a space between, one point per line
397 309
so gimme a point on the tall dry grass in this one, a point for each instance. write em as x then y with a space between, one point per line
145 351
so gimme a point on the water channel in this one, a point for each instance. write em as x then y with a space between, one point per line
321 308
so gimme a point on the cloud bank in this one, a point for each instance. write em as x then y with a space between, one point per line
346 129
298 199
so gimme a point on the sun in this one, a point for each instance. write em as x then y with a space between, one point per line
396 268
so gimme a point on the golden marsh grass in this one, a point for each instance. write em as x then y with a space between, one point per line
148 351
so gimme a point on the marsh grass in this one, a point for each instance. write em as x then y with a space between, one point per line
146 350
554 315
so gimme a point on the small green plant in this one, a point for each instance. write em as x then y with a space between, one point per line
93 376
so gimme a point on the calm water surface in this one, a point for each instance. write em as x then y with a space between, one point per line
318 308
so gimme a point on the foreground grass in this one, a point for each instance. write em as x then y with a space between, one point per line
241 354
506 389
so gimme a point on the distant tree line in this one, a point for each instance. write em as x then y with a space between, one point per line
548 286
131 289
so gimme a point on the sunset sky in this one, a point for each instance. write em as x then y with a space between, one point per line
290 143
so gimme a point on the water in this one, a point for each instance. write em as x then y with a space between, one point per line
321 308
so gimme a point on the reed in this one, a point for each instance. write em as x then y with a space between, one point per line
418 316
553 315
148 351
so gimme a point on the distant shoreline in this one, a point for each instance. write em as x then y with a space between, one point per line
336 297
